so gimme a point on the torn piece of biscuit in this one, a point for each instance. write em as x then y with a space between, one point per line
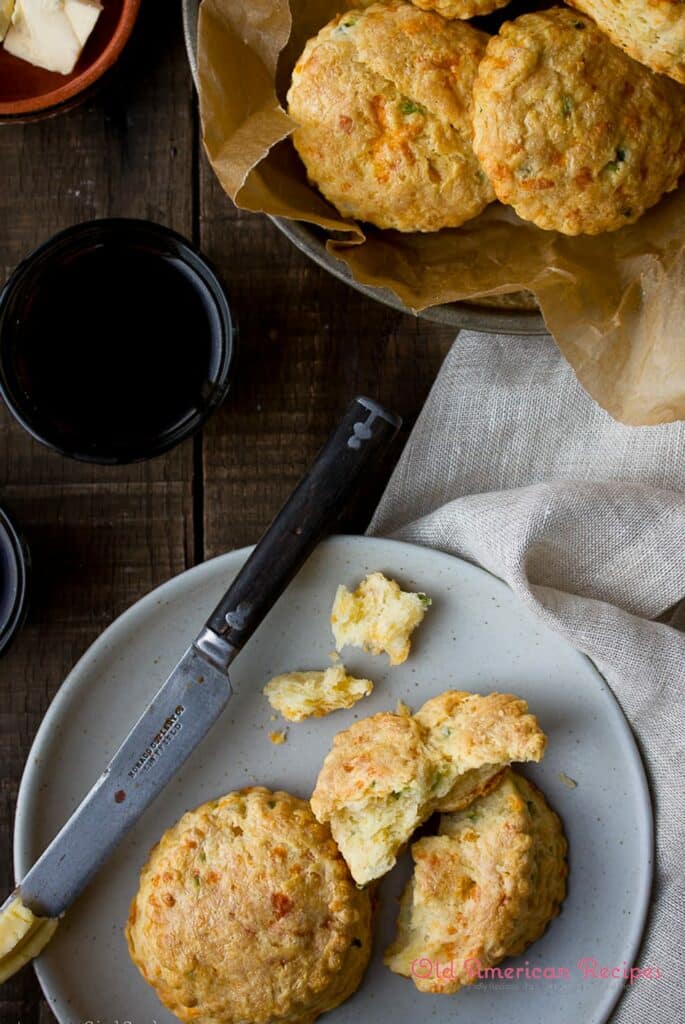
300 695
483 889
374 788
472 738
378 616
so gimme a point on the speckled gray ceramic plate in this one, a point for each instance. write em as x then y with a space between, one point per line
312 242
476 636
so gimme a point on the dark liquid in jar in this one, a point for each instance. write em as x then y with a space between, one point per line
115 346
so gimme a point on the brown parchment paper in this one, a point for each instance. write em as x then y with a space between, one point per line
615 303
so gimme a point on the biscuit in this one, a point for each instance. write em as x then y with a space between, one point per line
472 738
483 889
461 8
651 31
573 133
246 912
381 99
378 616
300 695
374 789
388 773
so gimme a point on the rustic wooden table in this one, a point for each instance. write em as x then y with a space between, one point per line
102 537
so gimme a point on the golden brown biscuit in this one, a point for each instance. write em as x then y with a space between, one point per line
651 31
382 102
572 133
461 8
300 695
471 738
483 889
374 789
247 913
387 774
378 616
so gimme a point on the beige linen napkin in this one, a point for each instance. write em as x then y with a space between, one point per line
512 466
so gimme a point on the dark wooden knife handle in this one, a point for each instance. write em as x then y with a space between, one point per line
352 450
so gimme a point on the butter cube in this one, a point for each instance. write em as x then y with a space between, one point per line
42 34
82 14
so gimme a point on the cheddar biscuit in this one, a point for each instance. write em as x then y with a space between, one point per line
374 789
247 912
472 738
572 133
381 99
651 31
483 889
388 773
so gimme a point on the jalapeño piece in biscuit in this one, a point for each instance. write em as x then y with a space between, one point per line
651 31
374 788
572 133
382 99
472 738
247 912
483 889
378 616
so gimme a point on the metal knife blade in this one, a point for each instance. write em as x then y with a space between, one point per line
181 713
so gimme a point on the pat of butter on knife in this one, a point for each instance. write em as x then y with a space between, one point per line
51 33
22 936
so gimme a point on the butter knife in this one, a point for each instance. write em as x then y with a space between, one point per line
196 691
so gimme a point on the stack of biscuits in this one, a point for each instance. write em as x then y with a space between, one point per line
409 117
493 877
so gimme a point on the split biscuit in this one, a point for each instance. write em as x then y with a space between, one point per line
482 890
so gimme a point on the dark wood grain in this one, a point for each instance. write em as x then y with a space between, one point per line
101 538
308 343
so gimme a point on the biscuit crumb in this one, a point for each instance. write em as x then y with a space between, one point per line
278 737
568 781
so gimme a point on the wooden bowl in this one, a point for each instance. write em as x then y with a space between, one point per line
27 91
